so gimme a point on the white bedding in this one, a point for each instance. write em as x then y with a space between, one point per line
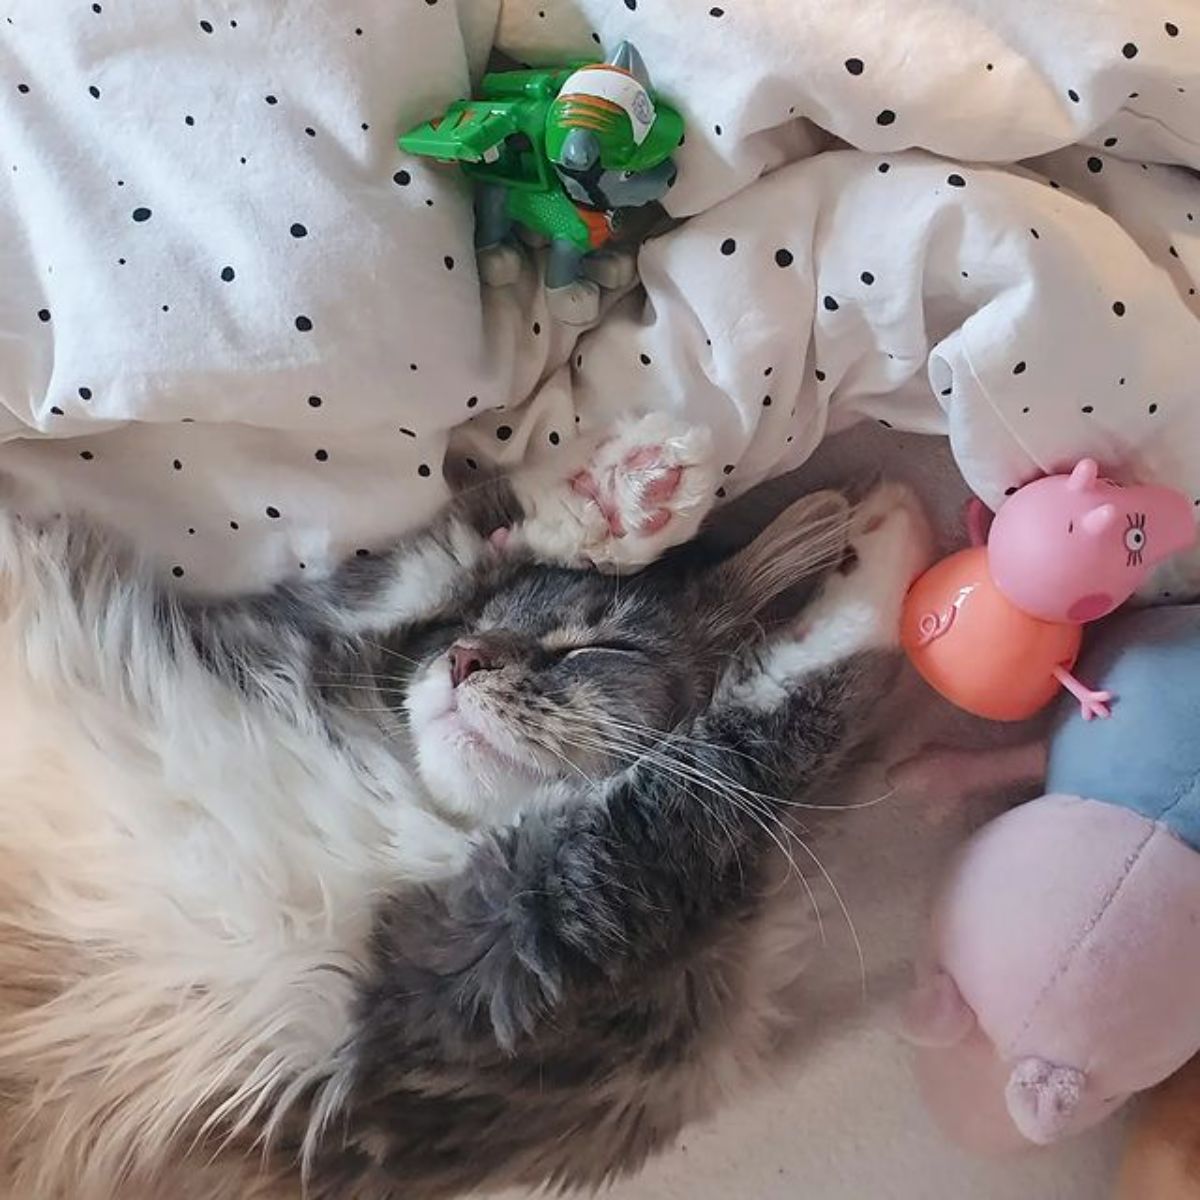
173 394
166 386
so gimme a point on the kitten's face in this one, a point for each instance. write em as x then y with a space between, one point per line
557 675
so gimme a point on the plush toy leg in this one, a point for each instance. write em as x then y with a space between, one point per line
1162 1161
949 772
934 1014
570 298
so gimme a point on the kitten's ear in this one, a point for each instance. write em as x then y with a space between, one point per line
808 537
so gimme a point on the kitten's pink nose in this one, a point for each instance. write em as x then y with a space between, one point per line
466 658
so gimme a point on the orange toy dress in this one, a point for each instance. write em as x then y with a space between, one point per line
977 648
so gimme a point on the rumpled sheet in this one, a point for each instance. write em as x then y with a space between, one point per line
978 218
238 323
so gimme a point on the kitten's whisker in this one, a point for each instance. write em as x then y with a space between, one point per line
790 859
672 738
388 652
845 910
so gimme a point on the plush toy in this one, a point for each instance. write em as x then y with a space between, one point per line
559 155
996 629
1063 972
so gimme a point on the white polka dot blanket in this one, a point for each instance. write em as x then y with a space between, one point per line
238 323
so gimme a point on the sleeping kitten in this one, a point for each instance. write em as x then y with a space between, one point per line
445 872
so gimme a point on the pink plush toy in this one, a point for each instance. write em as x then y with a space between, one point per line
996 628
1062 973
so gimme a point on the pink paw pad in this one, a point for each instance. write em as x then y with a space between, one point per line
649 480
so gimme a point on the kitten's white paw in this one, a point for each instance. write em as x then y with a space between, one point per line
892 543
859 605
641 491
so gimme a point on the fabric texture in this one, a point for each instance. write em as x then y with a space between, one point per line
238 323
1146 757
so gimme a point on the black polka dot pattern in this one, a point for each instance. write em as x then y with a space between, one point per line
43 315
728 246
206 26
321 455
303 323
94 92
854 66
228 274
273 512
141 215
886 117
1130 50
867 278
504 433
402 179
297 230
1019 369
783 258
85 393
424 471
1172 29
1118 308
644 359
1095 165
956 181
831 305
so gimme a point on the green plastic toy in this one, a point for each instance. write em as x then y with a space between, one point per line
557 155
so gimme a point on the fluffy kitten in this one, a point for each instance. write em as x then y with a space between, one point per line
447 871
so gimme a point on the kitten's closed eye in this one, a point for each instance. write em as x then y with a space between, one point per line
606 648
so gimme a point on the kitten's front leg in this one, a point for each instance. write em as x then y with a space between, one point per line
584 897
858 607
624 500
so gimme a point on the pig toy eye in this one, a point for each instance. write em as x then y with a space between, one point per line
1135 538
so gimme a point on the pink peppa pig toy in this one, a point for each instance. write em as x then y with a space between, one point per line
997 628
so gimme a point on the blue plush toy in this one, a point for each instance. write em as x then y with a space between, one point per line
1064 966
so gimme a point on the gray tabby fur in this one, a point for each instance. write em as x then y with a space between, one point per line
616 958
